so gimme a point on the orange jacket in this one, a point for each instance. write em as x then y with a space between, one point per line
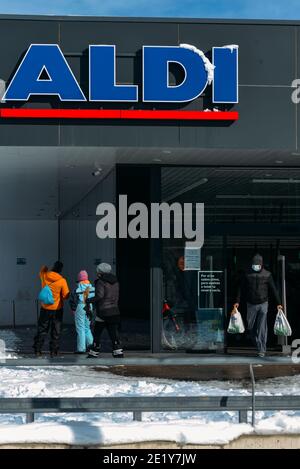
58 286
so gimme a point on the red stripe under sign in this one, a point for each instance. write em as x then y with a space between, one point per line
32 113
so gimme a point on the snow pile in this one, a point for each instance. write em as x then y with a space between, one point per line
78 433
281 422
209 67
8 343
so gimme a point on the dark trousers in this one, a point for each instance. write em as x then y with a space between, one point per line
257 325
49 321
112 324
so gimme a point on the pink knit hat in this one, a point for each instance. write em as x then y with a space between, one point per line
83 275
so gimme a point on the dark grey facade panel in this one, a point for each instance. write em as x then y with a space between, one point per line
29 134
97 134
127 36
266 53
132 134
298 129
297 59
16 37
267 120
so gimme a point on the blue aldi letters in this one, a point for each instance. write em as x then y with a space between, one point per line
48 59
156 74
27 80
103 86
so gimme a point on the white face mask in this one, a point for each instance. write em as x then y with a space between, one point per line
256 267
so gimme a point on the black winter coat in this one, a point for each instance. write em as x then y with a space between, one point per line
106 297
256 287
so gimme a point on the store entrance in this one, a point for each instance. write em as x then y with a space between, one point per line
247 211
281 258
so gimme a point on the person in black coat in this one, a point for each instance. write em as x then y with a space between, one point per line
256 285
105 303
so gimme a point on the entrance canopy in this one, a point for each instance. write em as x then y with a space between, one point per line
46 182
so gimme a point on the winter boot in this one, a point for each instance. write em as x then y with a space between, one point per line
37 352
118 353
94 352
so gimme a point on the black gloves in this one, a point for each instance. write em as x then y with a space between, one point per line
88 311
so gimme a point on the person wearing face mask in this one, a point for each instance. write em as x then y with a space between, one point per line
256 285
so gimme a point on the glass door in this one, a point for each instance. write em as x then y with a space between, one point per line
247 211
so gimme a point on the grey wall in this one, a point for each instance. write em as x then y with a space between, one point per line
19 284
268 64
37 242
80 247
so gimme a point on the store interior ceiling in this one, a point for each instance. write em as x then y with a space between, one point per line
46 182
237 195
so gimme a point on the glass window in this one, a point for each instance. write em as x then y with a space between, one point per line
246 211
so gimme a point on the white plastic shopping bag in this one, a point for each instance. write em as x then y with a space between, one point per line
281 326
236 325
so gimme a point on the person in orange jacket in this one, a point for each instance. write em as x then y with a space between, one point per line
51 316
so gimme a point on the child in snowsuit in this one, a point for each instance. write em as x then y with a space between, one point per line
78 299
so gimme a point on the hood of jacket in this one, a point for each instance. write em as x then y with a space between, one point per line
51 276
109 278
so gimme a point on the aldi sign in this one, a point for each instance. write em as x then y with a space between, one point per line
44 71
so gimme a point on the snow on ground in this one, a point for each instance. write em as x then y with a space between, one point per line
8 343
117 428
79 433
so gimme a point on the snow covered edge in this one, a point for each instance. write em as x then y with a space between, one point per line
83 433
209 67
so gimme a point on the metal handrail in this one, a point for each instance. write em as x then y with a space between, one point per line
139 404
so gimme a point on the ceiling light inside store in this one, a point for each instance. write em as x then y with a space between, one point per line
187 189
276 181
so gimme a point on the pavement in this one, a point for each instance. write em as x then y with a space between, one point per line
172 365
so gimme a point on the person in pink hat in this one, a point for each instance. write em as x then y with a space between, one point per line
84 290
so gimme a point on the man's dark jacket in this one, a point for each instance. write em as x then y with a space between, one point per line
256 287
106 297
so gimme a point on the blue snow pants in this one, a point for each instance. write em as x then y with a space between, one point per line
83 329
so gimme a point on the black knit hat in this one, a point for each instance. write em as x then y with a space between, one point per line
58 267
